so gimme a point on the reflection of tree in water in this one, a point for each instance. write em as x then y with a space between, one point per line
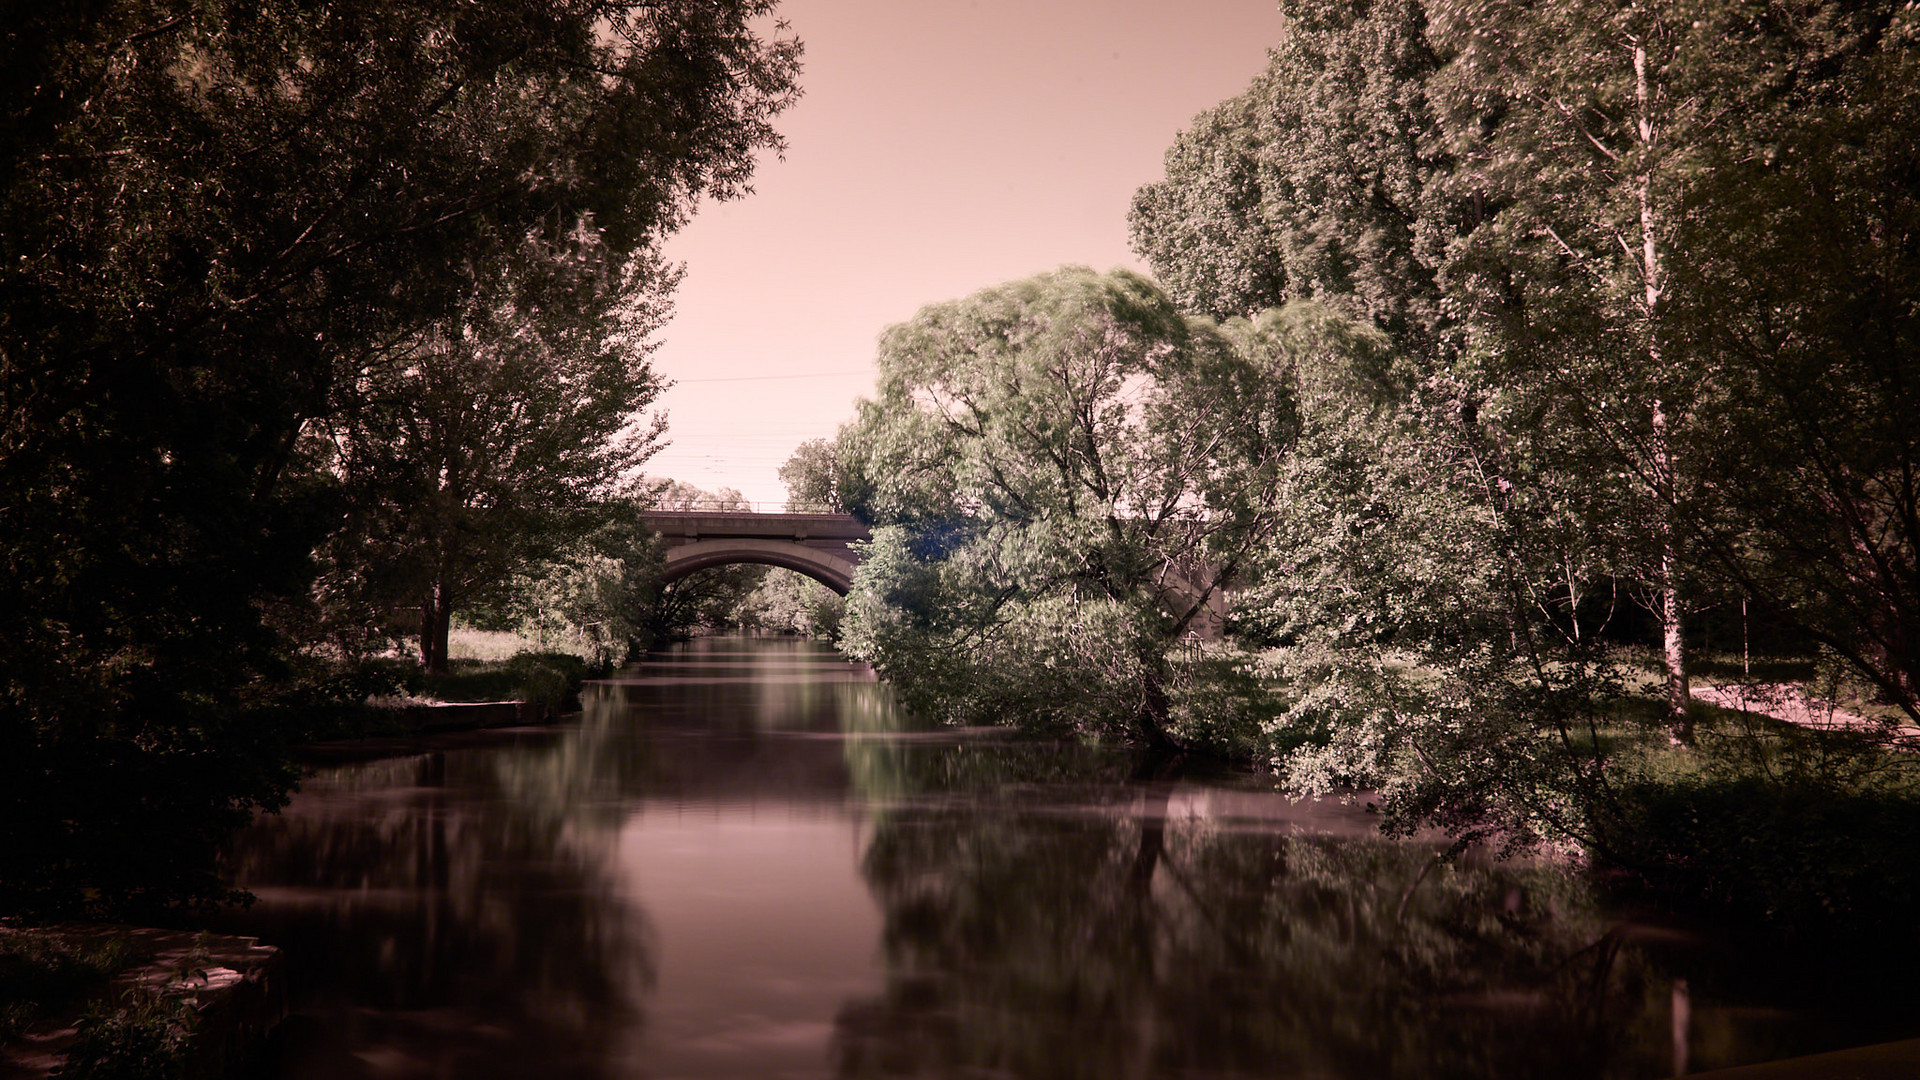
1115 942
640 740
452 934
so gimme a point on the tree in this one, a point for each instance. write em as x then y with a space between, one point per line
1676 345
789 602
1584 125
1505 189
1418 644
1812 456
1321 181
208 214
592 595
483 447
810 475
1071 470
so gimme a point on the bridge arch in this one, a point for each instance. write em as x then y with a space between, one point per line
829 569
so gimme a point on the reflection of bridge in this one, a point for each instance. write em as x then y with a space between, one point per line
812 544
816 545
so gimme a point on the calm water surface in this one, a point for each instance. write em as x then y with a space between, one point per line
743 861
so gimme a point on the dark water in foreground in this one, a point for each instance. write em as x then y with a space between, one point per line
743 861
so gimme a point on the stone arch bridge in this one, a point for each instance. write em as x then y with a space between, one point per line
812 544
817 545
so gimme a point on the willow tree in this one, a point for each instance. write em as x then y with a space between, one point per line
1076 470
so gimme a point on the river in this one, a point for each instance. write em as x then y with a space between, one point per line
744 861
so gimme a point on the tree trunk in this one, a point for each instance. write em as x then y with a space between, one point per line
1665 489
1673 653
1155 712
1673 648
436 619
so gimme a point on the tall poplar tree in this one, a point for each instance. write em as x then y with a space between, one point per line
1320 181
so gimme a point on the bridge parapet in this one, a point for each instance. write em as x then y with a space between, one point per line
712 524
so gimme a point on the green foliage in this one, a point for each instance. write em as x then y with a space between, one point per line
499 442
145 1037
43 974
811 475
791 603
1423 615
592 595
545 678
220 225
1059 664
1810 837
1812 303
1321 181
1078 469
1650 268
1226 701
704 601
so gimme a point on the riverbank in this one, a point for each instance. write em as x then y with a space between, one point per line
386 698
456 731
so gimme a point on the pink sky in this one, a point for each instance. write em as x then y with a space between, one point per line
941 146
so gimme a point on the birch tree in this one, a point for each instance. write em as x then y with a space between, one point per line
1585 126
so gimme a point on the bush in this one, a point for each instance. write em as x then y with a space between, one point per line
1806 861
147 1037
1223 703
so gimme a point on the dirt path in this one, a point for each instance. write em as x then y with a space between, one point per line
1790 702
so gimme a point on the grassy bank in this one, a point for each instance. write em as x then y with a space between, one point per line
390 696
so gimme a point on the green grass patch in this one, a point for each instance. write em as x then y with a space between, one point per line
466 643
547 678
1732 667
1810 838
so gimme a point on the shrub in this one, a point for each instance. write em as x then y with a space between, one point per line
145 1038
